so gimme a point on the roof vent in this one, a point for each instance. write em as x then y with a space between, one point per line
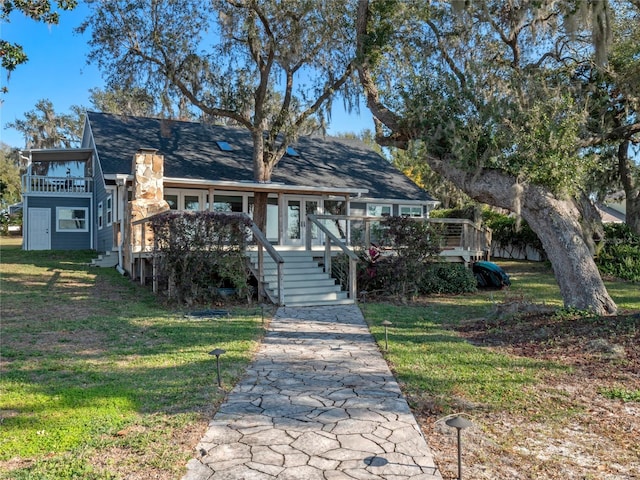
224 146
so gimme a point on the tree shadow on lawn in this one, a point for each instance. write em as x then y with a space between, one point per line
85 351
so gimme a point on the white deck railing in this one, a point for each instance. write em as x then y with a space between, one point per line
58 185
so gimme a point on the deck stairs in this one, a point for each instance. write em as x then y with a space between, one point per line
305 281
107 259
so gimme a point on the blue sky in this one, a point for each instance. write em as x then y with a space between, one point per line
57 70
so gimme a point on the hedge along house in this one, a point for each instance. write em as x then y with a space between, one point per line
79 198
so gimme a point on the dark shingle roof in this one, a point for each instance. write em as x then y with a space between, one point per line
191 152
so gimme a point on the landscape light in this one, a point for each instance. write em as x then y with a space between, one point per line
386 324
217 352
459 423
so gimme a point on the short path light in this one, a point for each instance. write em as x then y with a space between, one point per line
459 423
217 352
385 324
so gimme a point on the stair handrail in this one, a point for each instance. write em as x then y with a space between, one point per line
333 239
263 243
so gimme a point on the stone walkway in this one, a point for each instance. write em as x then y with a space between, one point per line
319 402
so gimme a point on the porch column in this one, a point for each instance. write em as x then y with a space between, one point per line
211 195
347 209
281 213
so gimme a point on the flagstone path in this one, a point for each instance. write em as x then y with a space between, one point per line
318 402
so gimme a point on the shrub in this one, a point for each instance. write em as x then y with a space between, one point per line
620 255
447 278
199 252
508 232
407 266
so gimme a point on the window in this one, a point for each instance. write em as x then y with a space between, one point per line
224 146
227 203
72 219
172 200
378 210
109 210
292 152
100 215
272 216
192 202
411 210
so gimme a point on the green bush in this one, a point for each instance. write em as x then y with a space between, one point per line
447 278
200 252
620 255
507 232
409 266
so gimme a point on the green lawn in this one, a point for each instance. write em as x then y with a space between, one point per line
98 380
545 391
431 359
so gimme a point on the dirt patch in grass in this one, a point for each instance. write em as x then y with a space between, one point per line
582 424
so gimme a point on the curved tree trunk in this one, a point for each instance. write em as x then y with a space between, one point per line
555 221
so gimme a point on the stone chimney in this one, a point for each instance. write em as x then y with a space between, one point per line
148 199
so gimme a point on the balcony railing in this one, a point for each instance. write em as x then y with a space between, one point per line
61 185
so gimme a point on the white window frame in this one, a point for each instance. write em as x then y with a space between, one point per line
181 193
100 218
72 230
109 210
383 205
411 207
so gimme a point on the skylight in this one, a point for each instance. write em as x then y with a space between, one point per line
292 152
224 146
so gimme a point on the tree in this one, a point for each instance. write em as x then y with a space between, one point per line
10 186
135 102
38 10
267 65
611 95
487 89
410 161
44 128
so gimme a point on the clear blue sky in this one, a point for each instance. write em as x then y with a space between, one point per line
57 70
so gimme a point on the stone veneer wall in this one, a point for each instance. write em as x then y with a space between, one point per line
148 200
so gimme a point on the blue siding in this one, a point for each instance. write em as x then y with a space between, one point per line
65 240
103 238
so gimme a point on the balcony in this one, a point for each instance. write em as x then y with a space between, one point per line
56 185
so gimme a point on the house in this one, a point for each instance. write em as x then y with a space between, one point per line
77 198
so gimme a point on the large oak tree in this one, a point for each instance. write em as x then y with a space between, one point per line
486 86
266 65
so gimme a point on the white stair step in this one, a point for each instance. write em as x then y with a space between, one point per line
305 283
106 259
319 303
303 297
307 290
325 282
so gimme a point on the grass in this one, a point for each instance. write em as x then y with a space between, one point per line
525 397
430 358
98 379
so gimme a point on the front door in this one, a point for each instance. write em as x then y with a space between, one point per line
39 229
295 219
